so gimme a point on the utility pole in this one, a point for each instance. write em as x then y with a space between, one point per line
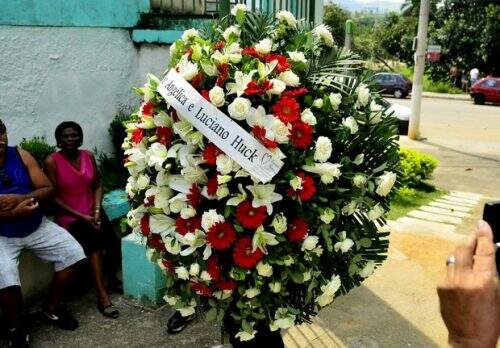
418 75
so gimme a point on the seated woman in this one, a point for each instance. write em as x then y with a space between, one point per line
78 196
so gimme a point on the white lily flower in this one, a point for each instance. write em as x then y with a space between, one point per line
240 82
264 195
261 239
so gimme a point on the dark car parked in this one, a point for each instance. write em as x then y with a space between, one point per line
486 90
390 83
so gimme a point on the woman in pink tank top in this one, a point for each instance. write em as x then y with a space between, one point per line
78 198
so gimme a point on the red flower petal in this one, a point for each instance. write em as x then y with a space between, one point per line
301 135
212 185
260 134
210 154
164 135
194 195
295 93
225 284
184 226
221 235
147 109
201 289
156 242
138 135
308 189
297 231
250 217
145 225
282 61
213 267
243 255
223 74
287 110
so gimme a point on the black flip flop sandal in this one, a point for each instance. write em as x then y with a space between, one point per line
109 311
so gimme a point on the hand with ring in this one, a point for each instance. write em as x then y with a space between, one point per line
469 295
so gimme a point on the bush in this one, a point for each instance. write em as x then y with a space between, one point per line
415 167
38 147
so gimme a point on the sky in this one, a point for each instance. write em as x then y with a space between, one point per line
359 5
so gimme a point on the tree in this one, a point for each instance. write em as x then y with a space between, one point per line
469 34
335 17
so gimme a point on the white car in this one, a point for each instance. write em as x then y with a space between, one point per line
401 112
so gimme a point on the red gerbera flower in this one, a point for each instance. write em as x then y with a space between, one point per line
250 217
221 235
223 74
147 109
252 52
201 289
212 185
287 110
184 226
169 265
197 80
219 45
243 255
213 267
254 88
297 231
282 61
295 93
301 135
156 242
260 134
138 135
210 154
308 188
225 284
164 135
145 225
205 94
194 195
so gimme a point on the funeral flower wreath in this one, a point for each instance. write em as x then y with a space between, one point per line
274 252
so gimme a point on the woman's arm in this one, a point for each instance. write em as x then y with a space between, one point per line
50 169
98 190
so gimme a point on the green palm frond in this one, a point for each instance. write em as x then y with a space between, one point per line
336 70
257 26
212 30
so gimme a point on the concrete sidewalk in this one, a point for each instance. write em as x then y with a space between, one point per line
462 96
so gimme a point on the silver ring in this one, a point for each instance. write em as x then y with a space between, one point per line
450 260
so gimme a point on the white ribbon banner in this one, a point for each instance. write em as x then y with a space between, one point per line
221 130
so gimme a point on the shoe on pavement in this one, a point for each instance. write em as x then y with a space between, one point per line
177 322
61 318
18 338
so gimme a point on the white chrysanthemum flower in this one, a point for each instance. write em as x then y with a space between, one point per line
278 87
363 94
239 108
327 215
289 78
156 154
251 293
376 212
323 32
231 30
275 287
322 149
237 8
210 218
279 223
224 164
194 175
194 269
385 183
142 181
297 56
205 276
345 244
318 103
350 123
217 96
264 269
182 273
264 195
335 100
189 34
309 243
187 212
327 171
308 117
264 46
187 69
172 245
287 17
359 180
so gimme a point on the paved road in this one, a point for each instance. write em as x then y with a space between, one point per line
466 139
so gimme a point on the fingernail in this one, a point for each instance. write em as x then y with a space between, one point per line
481 224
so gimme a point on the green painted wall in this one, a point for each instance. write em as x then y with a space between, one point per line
78 13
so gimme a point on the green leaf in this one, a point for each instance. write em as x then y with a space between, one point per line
238 228
326 237
240 17
245 325
380 168
211 315
365 242
220 314
297 277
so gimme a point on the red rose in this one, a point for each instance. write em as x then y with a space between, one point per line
243 255
308 188
301 135
287 110
250 217
221 235
297 231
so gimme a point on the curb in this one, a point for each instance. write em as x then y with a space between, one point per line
446 96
